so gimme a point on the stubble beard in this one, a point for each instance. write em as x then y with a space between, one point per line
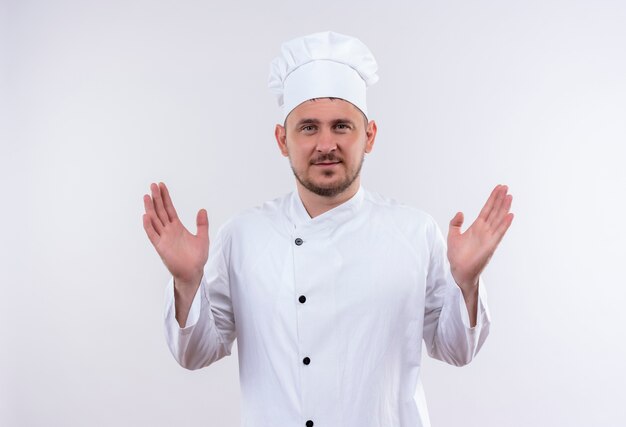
332 190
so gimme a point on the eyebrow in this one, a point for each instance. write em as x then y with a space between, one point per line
307 121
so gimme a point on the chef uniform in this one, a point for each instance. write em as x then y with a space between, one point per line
331 312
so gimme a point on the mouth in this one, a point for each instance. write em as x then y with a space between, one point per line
326 164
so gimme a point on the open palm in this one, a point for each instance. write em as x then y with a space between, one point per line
470 252
183 253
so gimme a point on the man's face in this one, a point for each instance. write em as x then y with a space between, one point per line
326 141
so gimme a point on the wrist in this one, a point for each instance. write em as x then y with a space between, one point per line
184 284
184 292
469 289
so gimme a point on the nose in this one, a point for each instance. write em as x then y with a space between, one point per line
326 141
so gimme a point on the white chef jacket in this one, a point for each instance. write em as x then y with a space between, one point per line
329 312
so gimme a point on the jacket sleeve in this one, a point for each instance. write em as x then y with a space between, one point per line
210 330
447 332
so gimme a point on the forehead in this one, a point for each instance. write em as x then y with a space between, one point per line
324 109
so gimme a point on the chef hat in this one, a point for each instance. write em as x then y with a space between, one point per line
322 65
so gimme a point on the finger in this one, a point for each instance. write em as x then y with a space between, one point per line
455 224
503 227
149 206
158 204
167 202
202 222
486 210
503 211
150 231
497 204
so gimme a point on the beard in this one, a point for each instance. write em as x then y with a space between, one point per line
330 190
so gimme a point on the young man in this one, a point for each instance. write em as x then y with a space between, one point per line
330 289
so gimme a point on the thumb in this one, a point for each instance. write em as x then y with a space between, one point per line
456 223
202 222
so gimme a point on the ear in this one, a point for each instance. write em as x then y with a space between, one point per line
371 135
281 138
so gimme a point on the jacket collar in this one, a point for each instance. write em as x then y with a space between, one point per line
333 217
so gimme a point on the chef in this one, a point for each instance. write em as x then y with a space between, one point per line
331 290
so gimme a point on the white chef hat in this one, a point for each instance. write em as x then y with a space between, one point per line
320 65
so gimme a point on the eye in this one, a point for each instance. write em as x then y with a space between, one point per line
307 128
342 126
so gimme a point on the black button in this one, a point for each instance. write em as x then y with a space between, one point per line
309 423
302 299
306 360
299 241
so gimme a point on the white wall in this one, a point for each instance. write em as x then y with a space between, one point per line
98 99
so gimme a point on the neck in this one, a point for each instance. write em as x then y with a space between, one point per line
316 205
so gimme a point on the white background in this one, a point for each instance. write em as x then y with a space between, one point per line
99 99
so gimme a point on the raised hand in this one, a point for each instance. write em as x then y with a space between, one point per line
183 253
469 252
